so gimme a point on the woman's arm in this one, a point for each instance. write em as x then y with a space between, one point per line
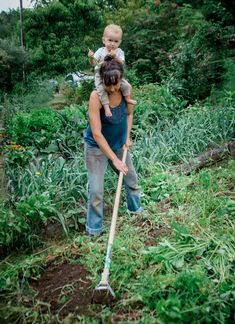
95 122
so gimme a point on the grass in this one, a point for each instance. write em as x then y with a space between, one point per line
2 184
186 276
172 264
195 130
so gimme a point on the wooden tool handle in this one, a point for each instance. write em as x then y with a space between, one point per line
117 200
105 274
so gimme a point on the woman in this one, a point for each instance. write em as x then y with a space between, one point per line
104 141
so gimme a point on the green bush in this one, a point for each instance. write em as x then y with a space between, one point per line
37 208
197 64
27 97
69 139
132 77
36 128
14 228
155 102
147 47
77 94
85 89
17 155
12 58
225 95
179 45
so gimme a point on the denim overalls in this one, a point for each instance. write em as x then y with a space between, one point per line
114 129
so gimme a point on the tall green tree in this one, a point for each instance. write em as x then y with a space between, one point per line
174 42
12 59
149 38
58 35
216 10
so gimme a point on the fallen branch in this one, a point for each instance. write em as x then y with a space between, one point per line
225 193
209 158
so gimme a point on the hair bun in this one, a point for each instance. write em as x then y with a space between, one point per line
108 58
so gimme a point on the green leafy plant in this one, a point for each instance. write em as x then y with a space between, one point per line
193 69
14 229
17 155
36 128
192 132
155 103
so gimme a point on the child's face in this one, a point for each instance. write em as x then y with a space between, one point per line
111 40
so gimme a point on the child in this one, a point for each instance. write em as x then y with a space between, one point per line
112 38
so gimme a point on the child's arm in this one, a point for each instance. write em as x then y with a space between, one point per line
119 60
119 56
92 59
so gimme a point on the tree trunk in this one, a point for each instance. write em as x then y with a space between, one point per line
209 158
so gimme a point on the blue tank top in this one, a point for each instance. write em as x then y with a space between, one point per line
113 128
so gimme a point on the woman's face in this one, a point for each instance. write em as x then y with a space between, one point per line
113 87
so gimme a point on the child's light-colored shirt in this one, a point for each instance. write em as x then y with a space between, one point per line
99 57
102 52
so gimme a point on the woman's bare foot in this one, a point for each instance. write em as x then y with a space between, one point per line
107 111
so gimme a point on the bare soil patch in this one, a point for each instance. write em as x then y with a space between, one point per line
67 288
152 230
156 233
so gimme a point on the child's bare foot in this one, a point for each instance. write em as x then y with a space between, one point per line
107 111
131 101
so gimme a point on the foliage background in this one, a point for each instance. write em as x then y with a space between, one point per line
175 263
188 44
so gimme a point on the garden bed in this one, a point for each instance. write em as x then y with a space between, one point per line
65 288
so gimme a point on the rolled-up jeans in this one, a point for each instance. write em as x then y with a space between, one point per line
96 164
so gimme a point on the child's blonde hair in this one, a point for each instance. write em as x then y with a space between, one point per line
114 28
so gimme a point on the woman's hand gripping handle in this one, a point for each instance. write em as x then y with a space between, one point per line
121 165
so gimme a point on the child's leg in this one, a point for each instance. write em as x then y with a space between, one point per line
126 91
102 94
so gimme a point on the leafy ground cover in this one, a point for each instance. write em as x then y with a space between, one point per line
172 264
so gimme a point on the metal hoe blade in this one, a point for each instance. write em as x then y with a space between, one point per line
105 288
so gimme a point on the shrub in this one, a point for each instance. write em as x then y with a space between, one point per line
37 208
225 96
71 94
17 155
85 89
26 97
13 57
75 120
36 128
197 64
13 228
155 102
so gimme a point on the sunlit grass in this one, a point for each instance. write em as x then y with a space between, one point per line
184 276
174 263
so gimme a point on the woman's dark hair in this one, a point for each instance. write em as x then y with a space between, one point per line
111 71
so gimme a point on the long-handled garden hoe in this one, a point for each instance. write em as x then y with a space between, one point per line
103 292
